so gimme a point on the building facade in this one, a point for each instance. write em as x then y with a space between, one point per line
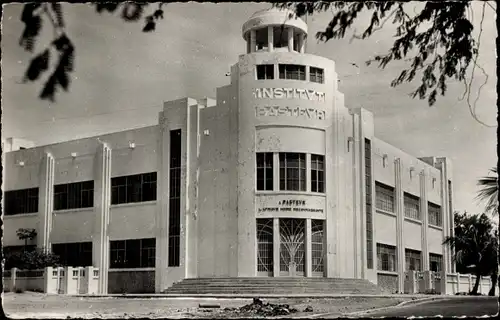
274 178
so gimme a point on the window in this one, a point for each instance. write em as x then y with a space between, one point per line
74 195
265 171
316 75
317 173
369 204
265 72
76 254
134 253
293 171
134 188
280 37
21 201
412 206
292 71
384 196
435 218
435 262
174 214
386 257
261 39
413 260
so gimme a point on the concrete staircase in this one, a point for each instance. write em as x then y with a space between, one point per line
274 286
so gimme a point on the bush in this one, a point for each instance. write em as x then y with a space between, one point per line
31 260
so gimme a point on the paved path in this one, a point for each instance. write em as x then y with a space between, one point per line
451 307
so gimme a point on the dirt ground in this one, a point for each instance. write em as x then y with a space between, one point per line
38 306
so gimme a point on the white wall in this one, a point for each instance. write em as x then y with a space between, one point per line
132 221
72 226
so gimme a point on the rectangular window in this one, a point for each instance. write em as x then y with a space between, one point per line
413 260
75 254
384 196
435 262
21 201
293 171
412 206
174 214
265 171
292 72
74 195
317 173
435 217
369 204
386 257
134 188
133 253
316 75
265 71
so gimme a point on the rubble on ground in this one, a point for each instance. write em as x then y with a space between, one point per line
260 308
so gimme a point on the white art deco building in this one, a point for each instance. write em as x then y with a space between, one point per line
274 178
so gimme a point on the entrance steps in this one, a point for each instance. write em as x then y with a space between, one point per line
262 285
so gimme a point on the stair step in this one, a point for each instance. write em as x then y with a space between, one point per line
262 285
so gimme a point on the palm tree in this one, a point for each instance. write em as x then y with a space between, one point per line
488 192
475 246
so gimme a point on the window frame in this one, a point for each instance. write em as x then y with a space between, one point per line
297 72
285 169
131 188
409 202
265 68
434 215
388 199
136 253
317 75
73 195
388 251
264 171
411 257
317 169
21 201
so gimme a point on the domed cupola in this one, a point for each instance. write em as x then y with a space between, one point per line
275 30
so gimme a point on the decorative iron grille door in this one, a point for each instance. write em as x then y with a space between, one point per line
292 236
265 247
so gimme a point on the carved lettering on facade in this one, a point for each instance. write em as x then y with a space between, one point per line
289 93
279 111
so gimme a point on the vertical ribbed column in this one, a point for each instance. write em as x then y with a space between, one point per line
302 43
276 171
444 210
45 202
308 248
276 247
102 195
162 195
270 38
253 41
308 172
425 222
400 247
290 39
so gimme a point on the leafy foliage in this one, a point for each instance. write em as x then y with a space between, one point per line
488 191
438 38
26 234
475 245
31 260
62 48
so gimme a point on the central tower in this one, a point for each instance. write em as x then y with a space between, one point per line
293 198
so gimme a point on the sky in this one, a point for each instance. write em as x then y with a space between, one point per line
123 75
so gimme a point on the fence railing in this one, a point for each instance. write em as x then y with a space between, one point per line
67 280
